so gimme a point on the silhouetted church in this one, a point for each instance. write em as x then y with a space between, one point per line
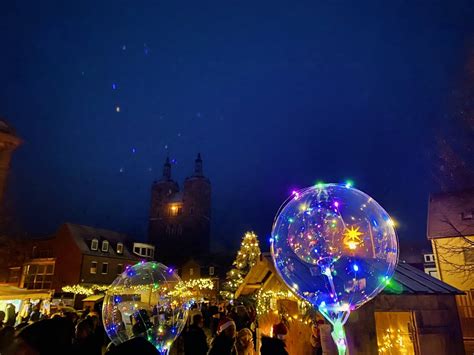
180 220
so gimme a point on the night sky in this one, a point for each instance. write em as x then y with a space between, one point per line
275 95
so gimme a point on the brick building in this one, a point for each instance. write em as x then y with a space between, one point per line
79 254
180 220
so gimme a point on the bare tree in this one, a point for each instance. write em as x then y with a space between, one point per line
454 166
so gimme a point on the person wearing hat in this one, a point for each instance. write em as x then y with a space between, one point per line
280 331
224 342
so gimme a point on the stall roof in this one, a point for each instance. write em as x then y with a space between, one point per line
16 293
93 298
410 280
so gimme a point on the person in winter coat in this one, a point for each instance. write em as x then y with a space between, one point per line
244 342
195 340
224 342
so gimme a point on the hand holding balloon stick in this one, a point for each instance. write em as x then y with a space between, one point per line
335 247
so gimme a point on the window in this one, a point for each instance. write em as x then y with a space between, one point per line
180 229
94 244
152 252
105 246
119 269
38 276
148 252
429 258
191 272
119 248
136 250
105 268
175 210
211 270
469 255
93 267
467 215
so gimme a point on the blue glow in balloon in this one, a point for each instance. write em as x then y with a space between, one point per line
145 301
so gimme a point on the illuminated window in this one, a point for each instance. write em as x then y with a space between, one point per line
94 244
191 272
93 267
119 248
105 246
105 268
175 210
395 332
469 255
211 270
119 269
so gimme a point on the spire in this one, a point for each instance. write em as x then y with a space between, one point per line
198 166
167 169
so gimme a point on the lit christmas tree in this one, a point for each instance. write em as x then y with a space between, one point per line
247 256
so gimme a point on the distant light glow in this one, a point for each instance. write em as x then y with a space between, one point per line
355 267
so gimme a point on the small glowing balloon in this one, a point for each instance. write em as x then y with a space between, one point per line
336 247
145 301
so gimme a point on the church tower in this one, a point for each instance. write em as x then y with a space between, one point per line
180 220
8 143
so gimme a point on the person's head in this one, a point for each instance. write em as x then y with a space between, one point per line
49 336
198 320
227 327
272 346
280 331
2 316
83 329
244 338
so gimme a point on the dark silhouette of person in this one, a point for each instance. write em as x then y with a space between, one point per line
195 340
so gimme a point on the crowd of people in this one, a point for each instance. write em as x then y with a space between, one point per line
210 330
231 331
35 331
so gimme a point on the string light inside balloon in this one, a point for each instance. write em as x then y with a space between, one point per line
336 247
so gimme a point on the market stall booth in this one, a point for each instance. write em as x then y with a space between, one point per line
415 314
15 300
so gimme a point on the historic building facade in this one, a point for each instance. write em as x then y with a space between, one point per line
179 224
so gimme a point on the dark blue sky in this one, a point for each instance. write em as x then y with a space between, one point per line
273 94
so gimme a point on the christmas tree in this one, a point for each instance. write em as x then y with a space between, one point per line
247 257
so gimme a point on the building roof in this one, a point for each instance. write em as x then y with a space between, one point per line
406 280
83 236
16 293
415 281
448 214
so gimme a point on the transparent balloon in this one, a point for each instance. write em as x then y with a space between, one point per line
336 247
145 301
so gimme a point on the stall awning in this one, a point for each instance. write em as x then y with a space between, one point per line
16 293
93 298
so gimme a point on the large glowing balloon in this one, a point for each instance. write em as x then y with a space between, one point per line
336 247
145 301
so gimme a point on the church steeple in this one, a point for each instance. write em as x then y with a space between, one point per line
167 170
198 166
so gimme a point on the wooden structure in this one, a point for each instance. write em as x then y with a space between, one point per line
417 314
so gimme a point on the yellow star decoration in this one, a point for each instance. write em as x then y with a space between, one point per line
351 238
